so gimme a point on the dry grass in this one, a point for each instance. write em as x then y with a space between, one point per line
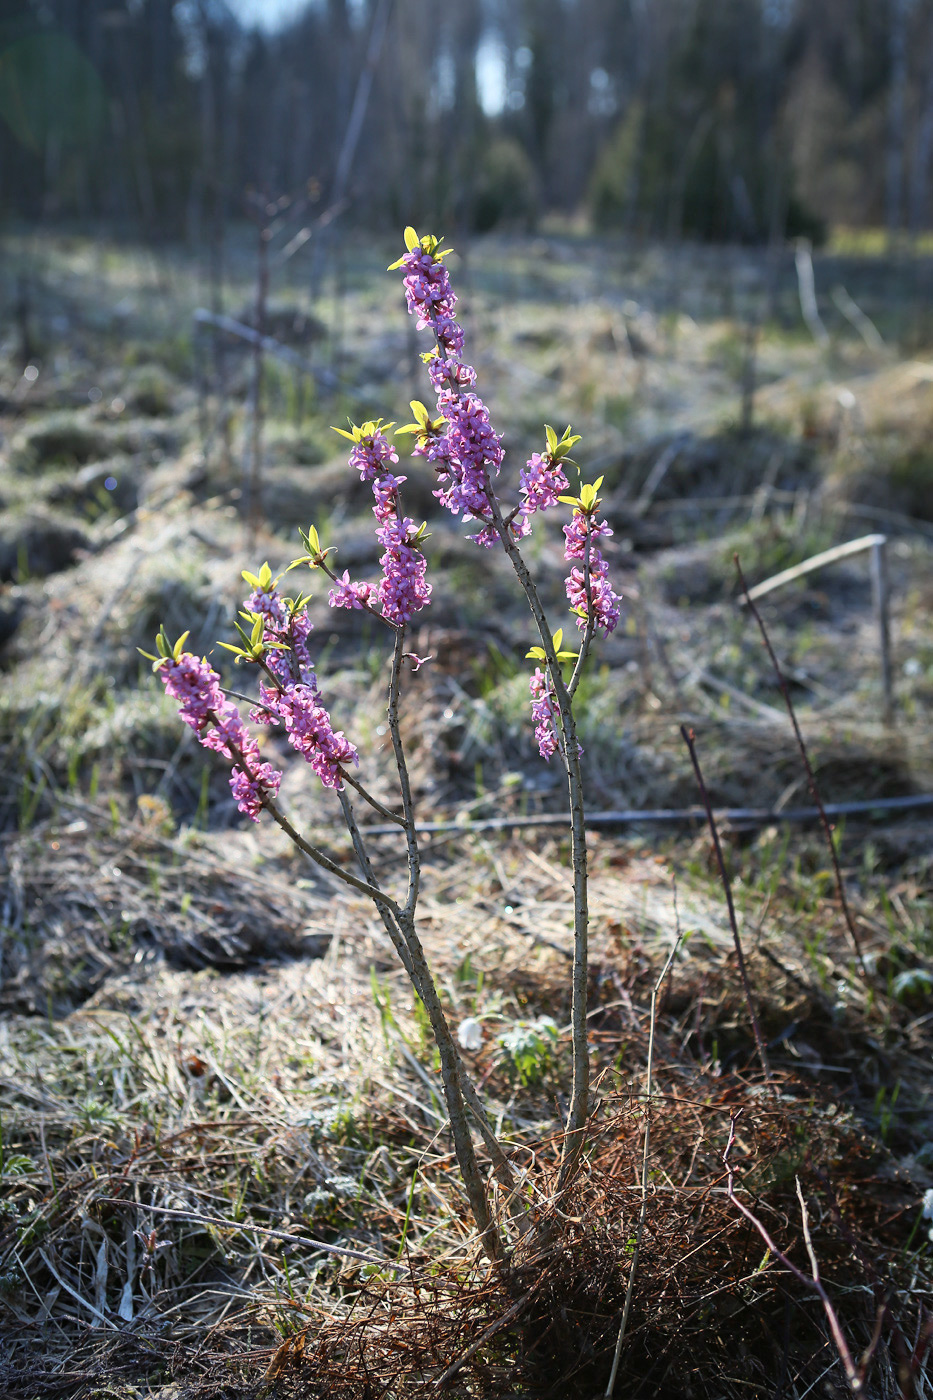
174 1147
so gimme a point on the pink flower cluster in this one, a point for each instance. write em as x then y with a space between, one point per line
469 448
403 590
598 603
289 695
218 725
463 457
431 299
542 481
543 713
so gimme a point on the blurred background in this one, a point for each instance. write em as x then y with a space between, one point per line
717 119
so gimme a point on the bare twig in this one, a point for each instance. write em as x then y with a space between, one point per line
811 776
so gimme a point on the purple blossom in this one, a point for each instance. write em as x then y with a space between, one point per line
291 698
345 594
385 492
469 449
603 605
450 374
370 455
581 532
192 681
599 604
403 590
428 292
249 788
464 455
543 712
269 605
286 635
310 733
219 726
542 481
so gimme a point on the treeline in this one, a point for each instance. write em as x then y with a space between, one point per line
719 119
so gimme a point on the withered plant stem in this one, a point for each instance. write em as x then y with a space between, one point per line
808 767
689 739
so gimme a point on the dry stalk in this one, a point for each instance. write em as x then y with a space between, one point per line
689 739
811 776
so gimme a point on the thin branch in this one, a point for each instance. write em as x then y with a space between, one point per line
574 1135
325 862
408 806
238 1227
368 797
364 607
811 776
689 739
756 816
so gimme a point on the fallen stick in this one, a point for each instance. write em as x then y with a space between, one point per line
671 816
880 596
817 561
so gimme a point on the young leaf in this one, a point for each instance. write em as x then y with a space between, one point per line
412 241
179 646
238 652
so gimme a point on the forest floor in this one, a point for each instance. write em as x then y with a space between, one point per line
211 1066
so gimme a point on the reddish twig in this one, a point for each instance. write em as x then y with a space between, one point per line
855 1374
811 776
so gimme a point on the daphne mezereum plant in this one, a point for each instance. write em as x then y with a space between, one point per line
467 455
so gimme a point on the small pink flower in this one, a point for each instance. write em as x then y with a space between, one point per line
544 713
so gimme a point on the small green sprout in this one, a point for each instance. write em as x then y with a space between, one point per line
539 654
362 432
312 542
587 501
558 448
167 652
424 426
255 648
428 244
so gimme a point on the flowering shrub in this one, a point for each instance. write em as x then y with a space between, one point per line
467 456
